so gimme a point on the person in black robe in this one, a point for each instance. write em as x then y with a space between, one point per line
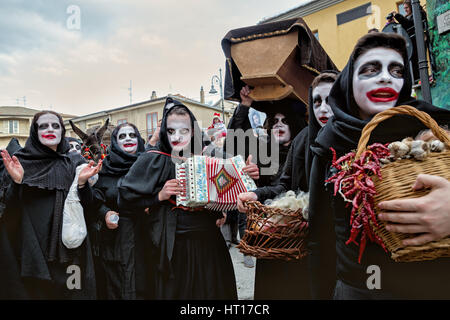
192 259
289 279
335 271
285 119
35 264
75 145
12 147
120 244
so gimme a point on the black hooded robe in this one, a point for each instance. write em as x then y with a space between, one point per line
35 264
121 251
334 265
193 261
274 279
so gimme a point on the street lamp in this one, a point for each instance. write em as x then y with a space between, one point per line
214 91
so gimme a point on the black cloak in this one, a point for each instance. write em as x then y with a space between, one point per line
193 261
34 256
329 217
118 253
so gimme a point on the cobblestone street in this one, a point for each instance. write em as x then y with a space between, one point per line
245 277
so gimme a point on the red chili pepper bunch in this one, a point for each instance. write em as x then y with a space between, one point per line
353 181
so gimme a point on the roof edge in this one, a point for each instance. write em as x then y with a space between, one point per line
302 10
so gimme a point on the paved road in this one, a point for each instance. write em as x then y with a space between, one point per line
245 277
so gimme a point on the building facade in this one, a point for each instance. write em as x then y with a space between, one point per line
145 115
15 123
338 24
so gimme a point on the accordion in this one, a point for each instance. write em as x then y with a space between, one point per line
212 183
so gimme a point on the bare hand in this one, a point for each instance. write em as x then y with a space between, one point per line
220 222
109 224
428 215
245 99
13 166
171 188
245 196
251 169
89 171
147 210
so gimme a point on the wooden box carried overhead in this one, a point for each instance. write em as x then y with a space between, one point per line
278 60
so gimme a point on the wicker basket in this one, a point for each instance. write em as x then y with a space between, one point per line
397 180
266 237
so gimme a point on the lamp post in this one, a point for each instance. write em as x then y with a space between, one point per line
422 55
214 91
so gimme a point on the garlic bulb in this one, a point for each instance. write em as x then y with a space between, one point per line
437 146
419 150
398 149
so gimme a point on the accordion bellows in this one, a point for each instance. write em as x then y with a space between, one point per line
212 183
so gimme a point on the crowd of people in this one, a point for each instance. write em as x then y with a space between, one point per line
141 245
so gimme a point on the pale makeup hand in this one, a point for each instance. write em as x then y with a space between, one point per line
428 215
220 222
251 169
245 196
13 166
89 171
109 224
171 188
245 99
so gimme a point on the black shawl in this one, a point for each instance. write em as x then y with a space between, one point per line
329 218
118 162
343 131
47 169
140 187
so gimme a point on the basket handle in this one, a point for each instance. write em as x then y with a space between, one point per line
439 133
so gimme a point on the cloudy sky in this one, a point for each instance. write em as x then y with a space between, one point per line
82 63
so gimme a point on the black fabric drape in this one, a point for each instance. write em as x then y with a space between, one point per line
329 216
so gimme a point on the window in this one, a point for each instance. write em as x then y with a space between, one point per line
94 125
11 126
152 122
120 121
316 34
355 13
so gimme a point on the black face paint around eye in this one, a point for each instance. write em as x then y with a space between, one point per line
369 70
396 70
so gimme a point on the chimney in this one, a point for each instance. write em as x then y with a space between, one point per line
202 95
153 95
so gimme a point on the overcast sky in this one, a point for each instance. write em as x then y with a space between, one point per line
163 45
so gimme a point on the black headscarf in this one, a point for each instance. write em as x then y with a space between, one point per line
118 162
313 126
293 110
51 170
343 131
197 144
12 147
157 167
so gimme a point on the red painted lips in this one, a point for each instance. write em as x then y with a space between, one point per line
48 136
382 95
129 145
323 119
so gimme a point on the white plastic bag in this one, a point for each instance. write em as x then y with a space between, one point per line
74 229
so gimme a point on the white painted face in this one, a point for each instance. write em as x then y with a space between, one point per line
75 147
179 131
377 80
322 110
280 129
127 139
49 130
